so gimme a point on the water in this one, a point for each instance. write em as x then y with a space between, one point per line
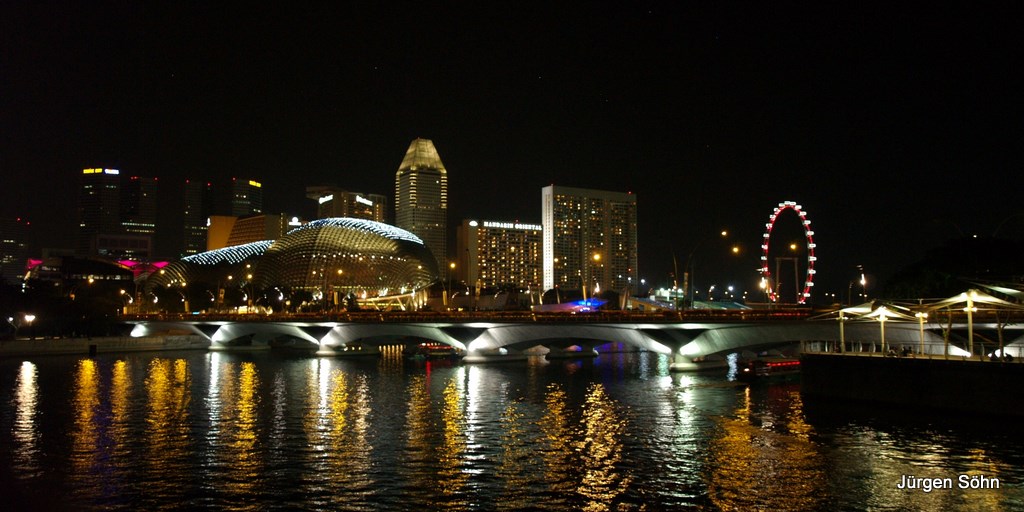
269 431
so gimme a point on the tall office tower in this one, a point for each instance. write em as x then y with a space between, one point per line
138 206
495 254
198 209
589 239
14 235
421 198
246 197
337 202
99 205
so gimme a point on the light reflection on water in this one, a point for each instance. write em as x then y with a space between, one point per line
25 431
241 431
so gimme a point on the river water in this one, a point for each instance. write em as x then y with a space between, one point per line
272 431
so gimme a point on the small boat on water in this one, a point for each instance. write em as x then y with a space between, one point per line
432 350
764 368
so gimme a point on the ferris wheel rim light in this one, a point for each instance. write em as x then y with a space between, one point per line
811 245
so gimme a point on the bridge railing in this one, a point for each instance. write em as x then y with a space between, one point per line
611 316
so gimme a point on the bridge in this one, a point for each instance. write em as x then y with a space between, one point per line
692 340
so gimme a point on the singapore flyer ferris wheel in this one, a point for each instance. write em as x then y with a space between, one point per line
771 288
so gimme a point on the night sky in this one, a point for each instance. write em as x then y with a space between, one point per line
896 128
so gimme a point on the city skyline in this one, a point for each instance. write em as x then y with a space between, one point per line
894 128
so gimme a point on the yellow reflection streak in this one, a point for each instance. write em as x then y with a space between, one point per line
168 389
241 414
357 445
452 477
758 468
516 460
25 463
85 436
557 442
981 464
120 412
391 359
601 451
418 432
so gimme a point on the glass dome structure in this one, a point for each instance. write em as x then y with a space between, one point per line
338 254
348 254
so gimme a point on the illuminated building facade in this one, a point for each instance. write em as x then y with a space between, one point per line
14 253
421 198
334 202
246 197
498 254
590 239
199 203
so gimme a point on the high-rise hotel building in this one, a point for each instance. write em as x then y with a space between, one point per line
590 239
495 254
421 198
337 202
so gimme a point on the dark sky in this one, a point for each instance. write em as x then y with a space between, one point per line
896 128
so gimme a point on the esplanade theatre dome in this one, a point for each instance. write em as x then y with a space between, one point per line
353 255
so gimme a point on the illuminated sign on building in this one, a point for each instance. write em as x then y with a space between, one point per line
363 200
255 183
325 199
100 171
511 225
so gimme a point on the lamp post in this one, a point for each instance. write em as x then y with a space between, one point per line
970 296
921 316
29 318
126 299
881 322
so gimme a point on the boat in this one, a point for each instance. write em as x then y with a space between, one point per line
433 350
764 368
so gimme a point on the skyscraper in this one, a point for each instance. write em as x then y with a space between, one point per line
337 202
590 238
246 197
116 216
14 235
199 203
421 198
99 204
138 206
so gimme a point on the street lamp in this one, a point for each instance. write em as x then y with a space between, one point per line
29 318
127 300
921 317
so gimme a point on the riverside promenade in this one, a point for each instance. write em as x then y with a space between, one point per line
24 347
